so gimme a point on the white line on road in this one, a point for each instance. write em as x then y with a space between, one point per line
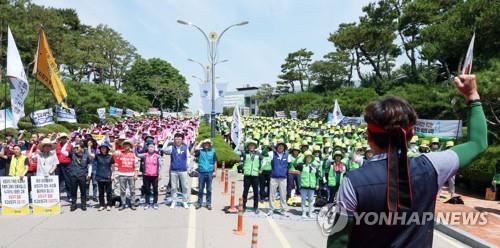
191 237
278 233
450 241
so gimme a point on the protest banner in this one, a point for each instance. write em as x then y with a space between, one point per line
352 121
101 112
15 200
42 117
98 137
130 113
280 114
7 119
65 114
116 112
313 114
45 195
154 111
293 114
439 128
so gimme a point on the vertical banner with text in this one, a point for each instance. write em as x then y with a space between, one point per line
15 199
45 195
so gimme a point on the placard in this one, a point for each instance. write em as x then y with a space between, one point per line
42 117
45 195
15 200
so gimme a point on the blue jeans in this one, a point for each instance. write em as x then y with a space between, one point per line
205 181
293 182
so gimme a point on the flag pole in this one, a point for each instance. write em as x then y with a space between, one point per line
2 75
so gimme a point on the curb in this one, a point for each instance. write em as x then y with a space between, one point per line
462 236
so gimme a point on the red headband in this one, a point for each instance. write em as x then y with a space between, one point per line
399 190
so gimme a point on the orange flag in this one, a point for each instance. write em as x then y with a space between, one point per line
46 70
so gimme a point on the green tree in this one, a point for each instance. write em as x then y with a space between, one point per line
333 72
297 68
159 81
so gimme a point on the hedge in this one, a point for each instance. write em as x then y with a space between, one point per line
224 152
482 169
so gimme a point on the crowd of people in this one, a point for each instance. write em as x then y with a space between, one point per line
305 160
106 158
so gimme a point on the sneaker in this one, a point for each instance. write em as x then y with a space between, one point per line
72 208
100 209
172 205
286 214
185 205
270 213
155 206
146 206
304 215
209 207
123 207
108 208
132 207
197 206
142 200
84 208
257 211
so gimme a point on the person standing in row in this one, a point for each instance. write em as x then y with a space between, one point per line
127 174
46 160
179 166
309 174
151 175
18 164
80 170
251 161
104 164
207 166
265 171
63 151
279 166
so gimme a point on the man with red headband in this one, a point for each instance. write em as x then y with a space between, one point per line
400 188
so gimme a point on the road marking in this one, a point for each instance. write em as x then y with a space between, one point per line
454 243
191 237
278 233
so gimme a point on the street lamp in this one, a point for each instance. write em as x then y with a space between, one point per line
201 80
213 40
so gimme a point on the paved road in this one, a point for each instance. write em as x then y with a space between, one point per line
164 228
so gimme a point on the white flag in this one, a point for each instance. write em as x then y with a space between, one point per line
467 66
19 85
337 114
236 128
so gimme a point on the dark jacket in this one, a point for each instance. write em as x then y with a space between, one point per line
103 169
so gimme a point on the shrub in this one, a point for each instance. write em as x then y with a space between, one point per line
482 169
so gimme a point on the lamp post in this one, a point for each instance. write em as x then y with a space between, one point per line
213 40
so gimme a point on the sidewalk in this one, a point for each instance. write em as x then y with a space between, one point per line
489 232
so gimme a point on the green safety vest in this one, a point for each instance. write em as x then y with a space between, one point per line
308 177
332 177
266 162
251 166
295 161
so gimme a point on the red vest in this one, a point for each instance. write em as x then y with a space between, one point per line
62 158
126 162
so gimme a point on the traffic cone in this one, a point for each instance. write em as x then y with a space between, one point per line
231 208
255 235
239 227
226 182
222 173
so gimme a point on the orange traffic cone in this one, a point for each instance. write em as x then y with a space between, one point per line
255 234
231 208
226 182
239 227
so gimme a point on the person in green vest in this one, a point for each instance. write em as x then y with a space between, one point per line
304 146
265 170
309 174
335 175
293 177
251 161
413 148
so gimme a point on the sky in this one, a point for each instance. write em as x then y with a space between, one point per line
254 51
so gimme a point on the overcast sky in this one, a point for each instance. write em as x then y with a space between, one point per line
255 51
